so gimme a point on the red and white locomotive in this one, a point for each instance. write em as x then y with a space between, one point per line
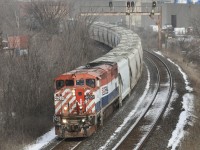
83 95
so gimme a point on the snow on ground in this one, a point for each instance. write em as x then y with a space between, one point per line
42 141
173 98
114 136
188 88
159 53
186 114
184 117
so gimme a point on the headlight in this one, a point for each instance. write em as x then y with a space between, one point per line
65 108
73 92
64 120
83 120
81 107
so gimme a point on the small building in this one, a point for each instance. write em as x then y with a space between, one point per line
19 43
175 14
179 15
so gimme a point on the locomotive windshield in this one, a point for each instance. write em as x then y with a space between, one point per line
59 84
90 82
69 82
80 82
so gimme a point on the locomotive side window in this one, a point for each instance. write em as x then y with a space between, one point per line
69 82
80 82
90 83
59 84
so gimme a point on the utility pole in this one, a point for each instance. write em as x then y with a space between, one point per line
158 22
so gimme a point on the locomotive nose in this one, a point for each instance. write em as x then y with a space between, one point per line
80 98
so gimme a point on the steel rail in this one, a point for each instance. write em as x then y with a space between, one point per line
145 111
58 143
150 102
166 104
76 146
132 130
50 146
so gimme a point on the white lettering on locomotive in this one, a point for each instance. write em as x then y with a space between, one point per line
104 90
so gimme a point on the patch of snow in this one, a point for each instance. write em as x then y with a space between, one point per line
188 88
179 131
188 105
128 117
159 53
42 141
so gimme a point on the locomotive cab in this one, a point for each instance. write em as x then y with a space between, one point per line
80 95
80 88
74 104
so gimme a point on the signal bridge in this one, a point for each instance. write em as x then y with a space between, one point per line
130 10
119 10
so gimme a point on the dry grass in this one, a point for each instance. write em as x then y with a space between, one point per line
192 140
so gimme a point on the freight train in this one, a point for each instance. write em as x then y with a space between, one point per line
84 95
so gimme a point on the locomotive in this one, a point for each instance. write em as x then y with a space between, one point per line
83 95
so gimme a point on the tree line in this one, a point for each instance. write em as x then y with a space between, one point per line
57 44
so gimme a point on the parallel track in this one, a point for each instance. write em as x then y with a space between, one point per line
139 132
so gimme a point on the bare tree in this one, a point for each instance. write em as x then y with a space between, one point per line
196 26
8 11
190 43
48 14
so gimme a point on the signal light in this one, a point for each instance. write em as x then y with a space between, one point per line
154 4
128 4
110 4
132 4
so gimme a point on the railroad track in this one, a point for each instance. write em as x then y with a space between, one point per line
63 144
142 128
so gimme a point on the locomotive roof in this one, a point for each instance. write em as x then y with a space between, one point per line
109 58
95 69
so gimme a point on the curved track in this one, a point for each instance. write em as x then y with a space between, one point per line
139 132
142 128
144 123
